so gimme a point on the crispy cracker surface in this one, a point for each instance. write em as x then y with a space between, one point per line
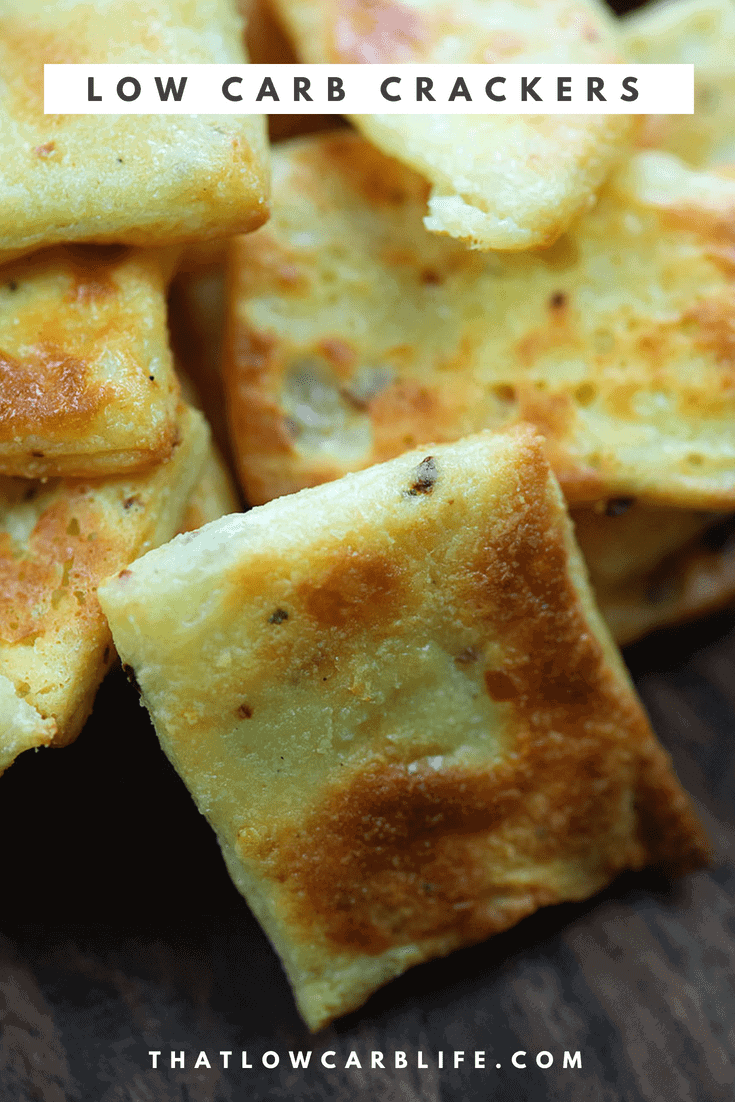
151 179
58 539
86 382
497 181
352 334
395 701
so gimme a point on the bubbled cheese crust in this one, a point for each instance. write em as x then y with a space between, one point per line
394 700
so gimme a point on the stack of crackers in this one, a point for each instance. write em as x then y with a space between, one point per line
476 379
100 454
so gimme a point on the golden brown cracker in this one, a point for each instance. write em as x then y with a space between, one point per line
353 334
414 728
497 181
141 180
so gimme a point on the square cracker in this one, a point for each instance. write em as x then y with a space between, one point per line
57 541
142 180
87 386
395 701
352 334
497 181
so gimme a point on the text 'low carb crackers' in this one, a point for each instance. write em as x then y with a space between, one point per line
395 701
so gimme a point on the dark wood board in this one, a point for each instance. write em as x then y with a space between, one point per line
121 934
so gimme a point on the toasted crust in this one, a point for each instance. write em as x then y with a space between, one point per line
352 334
699 32
152 180
86 383
57 540
497 181
414 728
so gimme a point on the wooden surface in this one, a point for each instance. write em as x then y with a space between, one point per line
121 934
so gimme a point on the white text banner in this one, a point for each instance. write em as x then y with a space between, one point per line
368 89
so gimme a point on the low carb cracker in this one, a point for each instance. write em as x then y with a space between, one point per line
58 539
140 180
393 698
87 386
352 334
497 181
